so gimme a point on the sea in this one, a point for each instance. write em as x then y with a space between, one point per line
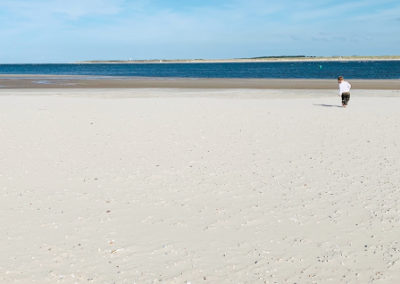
273 70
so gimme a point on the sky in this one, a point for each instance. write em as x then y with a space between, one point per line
40 31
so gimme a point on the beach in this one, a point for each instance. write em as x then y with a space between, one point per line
104 82
199 181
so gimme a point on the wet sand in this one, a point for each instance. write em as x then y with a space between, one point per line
51 82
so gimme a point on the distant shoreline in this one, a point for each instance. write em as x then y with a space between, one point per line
232 60
247 60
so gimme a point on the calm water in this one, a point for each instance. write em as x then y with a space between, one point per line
315 70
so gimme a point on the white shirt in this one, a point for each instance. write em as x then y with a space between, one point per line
344 87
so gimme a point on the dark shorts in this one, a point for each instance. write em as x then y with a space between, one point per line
345 98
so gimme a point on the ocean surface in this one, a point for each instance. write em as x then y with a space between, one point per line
284 70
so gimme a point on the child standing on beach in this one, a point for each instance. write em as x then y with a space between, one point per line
344 90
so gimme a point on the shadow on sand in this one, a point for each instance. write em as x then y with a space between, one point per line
325 105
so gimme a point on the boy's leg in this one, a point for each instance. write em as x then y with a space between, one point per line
345 99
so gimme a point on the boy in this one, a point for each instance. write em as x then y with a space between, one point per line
344 90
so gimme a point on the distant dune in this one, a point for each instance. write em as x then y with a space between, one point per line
253 59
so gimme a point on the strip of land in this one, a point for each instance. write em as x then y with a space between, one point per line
253 59
52 81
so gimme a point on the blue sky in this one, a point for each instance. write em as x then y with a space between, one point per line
74 30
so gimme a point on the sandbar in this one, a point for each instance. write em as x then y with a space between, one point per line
53 81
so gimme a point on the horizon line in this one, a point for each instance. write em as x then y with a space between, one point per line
281 58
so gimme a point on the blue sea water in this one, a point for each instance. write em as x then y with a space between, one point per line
284 70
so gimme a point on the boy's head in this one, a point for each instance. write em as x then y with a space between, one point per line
340 79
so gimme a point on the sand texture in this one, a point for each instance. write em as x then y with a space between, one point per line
222 187
91 82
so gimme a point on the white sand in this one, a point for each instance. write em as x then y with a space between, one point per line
230 189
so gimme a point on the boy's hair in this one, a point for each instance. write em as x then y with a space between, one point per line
340 78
